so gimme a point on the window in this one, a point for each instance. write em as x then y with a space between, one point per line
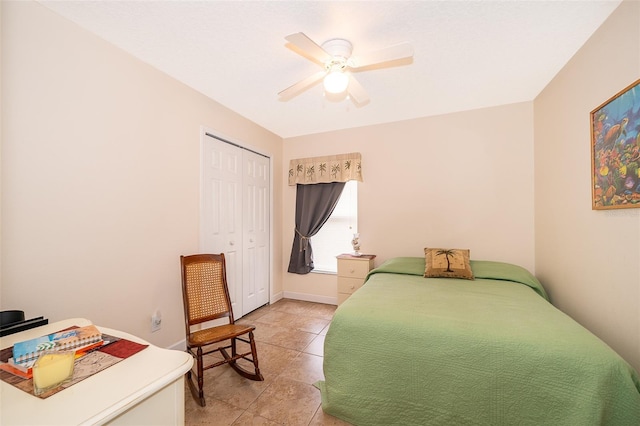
336 234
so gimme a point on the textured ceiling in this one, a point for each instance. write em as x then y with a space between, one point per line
468 54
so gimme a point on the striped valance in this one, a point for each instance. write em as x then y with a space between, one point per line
333 168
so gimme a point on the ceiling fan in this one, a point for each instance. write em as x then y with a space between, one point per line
334 56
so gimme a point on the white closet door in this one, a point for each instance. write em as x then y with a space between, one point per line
222 211
235 219
256 231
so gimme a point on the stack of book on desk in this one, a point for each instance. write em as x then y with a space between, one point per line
25 353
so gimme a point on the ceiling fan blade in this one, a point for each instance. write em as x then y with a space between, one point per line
392 53
357 92
309 47
301 86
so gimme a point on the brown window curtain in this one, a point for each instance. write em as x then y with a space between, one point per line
314 205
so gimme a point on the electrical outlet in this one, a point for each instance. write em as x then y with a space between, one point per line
156 322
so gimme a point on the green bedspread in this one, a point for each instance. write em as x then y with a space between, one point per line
406 350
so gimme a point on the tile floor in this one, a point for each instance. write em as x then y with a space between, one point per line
289 338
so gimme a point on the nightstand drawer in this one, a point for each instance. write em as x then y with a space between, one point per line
349 285
353 268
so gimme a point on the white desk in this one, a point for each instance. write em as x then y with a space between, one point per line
144 389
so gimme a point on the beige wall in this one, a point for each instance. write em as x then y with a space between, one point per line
460 180
100 177
588 260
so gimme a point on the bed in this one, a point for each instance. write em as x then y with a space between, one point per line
409 350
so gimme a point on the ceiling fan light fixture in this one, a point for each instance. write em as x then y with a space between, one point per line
336 81
335 56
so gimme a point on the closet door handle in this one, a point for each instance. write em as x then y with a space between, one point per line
231 243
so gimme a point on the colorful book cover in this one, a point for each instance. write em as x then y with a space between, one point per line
20 371
71 339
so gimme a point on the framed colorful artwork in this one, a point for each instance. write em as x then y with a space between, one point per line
615 151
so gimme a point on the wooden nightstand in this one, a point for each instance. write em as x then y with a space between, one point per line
352 270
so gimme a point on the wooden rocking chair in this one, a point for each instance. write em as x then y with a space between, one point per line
206 298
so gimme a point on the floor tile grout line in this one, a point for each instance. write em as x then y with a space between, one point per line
296 353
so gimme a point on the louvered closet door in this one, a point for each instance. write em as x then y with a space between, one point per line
235 219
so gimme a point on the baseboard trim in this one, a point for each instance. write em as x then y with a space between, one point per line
276 297
311 297
179 346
